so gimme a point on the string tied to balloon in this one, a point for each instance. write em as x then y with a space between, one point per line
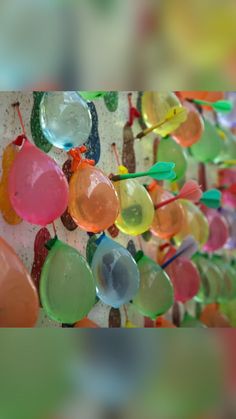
159 171
133 112
187 249
190 191
77 156
16 106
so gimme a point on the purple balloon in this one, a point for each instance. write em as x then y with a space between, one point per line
230 217
229 119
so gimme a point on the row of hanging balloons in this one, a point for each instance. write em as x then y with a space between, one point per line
192 223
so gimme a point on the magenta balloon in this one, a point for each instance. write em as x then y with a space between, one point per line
38 189
228 199
218 230
184 277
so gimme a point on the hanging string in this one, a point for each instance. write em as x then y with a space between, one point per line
54 228
116 154
17 107
126 313
140 242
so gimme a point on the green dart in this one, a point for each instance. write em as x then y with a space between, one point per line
219 106
160 171
211 198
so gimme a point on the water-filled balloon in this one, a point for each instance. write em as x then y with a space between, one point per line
218 230
228 151
136 207
191 130
65 119
168 219
115 272
155 295
229 119
67 286
6 208
228 291
212 317
156 106
211 280
184 277
194 223
18 296
93 201
169 151
230 218
209 147
38 189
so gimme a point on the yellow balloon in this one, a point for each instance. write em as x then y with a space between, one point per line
195 223
162 108
136 207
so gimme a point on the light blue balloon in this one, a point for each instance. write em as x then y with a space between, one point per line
65 119
115 272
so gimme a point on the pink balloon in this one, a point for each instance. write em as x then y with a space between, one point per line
184 277
38 189
218 228
228 199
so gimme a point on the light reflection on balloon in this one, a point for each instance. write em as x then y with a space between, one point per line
168 219
65 119
136 207
115 272
93 201
194 224
67 286
38 189
155 294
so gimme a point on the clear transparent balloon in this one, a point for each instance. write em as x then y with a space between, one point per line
115 272
65 119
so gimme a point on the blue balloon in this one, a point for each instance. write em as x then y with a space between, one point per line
115 272
65 119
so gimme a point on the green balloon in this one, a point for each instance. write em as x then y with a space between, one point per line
155 295
228 151
67 286
209 147
229 309
228 291
189 322
92 95
169 151
211 280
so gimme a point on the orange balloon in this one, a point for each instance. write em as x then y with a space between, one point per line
86 324
161 322
212 317
191 130
6 208
93 201
167 220
19 303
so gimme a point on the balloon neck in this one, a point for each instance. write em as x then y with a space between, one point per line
78 159
99 240
152 186
139 255
20 140
51 243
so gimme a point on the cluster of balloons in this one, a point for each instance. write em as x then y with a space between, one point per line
35 189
